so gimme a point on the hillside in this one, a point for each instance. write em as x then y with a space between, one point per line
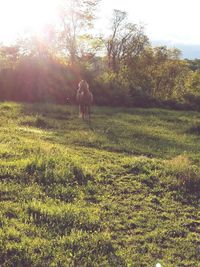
122 190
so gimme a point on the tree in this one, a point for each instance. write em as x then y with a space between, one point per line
77 17
9 56
192 82
168 73
126 41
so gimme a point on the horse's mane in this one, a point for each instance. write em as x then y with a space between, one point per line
83 86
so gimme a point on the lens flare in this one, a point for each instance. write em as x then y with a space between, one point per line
17 17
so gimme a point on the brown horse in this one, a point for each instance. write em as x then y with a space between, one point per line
85 99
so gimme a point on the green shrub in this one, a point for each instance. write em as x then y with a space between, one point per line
194 130
187 175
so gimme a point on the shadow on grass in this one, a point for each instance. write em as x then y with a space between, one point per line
116 134
50 111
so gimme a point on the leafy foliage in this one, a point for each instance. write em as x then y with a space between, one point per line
121 66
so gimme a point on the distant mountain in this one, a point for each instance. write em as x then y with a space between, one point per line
188 51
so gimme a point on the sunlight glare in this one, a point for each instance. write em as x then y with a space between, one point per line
17 17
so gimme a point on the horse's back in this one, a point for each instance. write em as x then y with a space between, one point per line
85 99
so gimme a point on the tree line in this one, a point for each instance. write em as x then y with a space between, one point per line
121 66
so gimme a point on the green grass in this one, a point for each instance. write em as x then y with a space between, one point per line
122 190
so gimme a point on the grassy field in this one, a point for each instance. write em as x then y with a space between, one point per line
122 190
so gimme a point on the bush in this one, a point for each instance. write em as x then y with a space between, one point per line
187 175
109 90
194 130
193 100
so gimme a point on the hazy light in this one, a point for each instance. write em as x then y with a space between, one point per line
16 17
175 21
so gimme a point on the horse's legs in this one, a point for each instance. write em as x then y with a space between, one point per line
89 112
80 111
83 112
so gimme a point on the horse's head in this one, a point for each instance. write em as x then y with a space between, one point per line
83 85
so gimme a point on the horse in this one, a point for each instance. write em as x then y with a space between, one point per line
84 98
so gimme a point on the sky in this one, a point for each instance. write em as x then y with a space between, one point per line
166 21
173 21
19 16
